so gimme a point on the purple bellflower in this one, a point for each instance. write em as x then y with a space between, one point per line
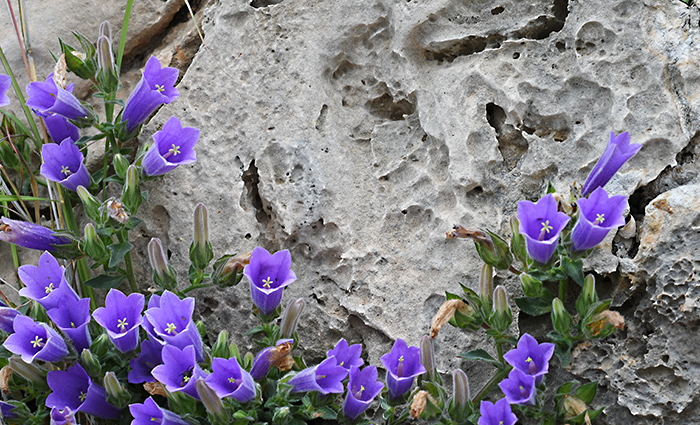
150 413
47 98
530 357
541 224
325 378
45 283
270 356
5 83
63 164
402 364
7 318
172 323
598 214
153 302
29 235
121 317
496 414
72 317
268 275
73 389
228 379
62 416
157 87
618 151
33 340
142 366
7 410
363 387
60 128
519 388
172 146
179 371
347 356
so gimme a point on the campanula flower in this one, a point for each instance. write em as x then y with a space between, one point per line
7 317
172 323
72 317
402 364
5 83
179 371
271 356
618 151
63 164
325 378
47 98
62 416
228 379
172 146
347 356
149 357
363 387
8 410
268 275
541 224
519 388
45 283
598 214
155 88
73 389
121 318
60 128
530 357
496 414
30 235
35 340
150 413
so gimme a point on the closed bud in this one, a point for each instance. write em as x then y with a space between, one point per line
163 275
90 361
517 240
201 328
281 415
91 205
531 287
131 193
501 316
228 270
93 246
210 400
220 347
117 395
588 296
460 390
121 164
290 317
105 56
427 356
28 371
561 319
486 284
106 30
201 252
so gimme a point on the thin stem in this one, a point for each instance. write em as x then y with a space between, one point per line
20 96
499 349
19 38
83 271
122 40
123 236
193 287
495 379
562 289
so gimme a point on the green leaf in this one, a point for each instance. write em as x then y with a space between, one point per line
480 354
132 223
117 252
550 188
255 330
566 387
105 281
536 306
587 392
573 269
326 413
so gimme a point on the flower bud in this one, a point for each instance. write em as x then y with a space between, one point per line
120 165
210 400
164 276
105 56
427 356
290 317
561 319
131 193
502 316
106 30
117 395
281 415
91 205
228 270
460 390
93 247
486 284
89 361
201 252
517 240
28 371
99 347
220 348
588 296
531 287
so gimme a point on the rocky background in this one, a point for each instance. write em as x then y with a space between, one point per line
355 133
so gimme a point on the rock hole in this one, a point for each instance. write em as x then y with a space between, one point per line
251 180
497 10
511 142
262 3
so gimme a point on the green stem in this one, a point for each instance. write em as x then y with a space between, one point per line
18 92
122 236
499 349
562 289
193 287
495 379
122 40
83 270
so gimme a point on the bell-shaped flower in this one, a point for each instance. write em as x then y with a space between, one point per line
541 224
30 235
153 302
172 323
402 364
172 146
46 98
62 416
73 389
530 357
5 83
142 366
228 379
157 87
150 413
72 317
326 378
271 356
179 371
347 356
496 414
63 164
363 387
598 214
121 317
7 318
60 128
268 275
35 340
519 388
45 283
618 151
